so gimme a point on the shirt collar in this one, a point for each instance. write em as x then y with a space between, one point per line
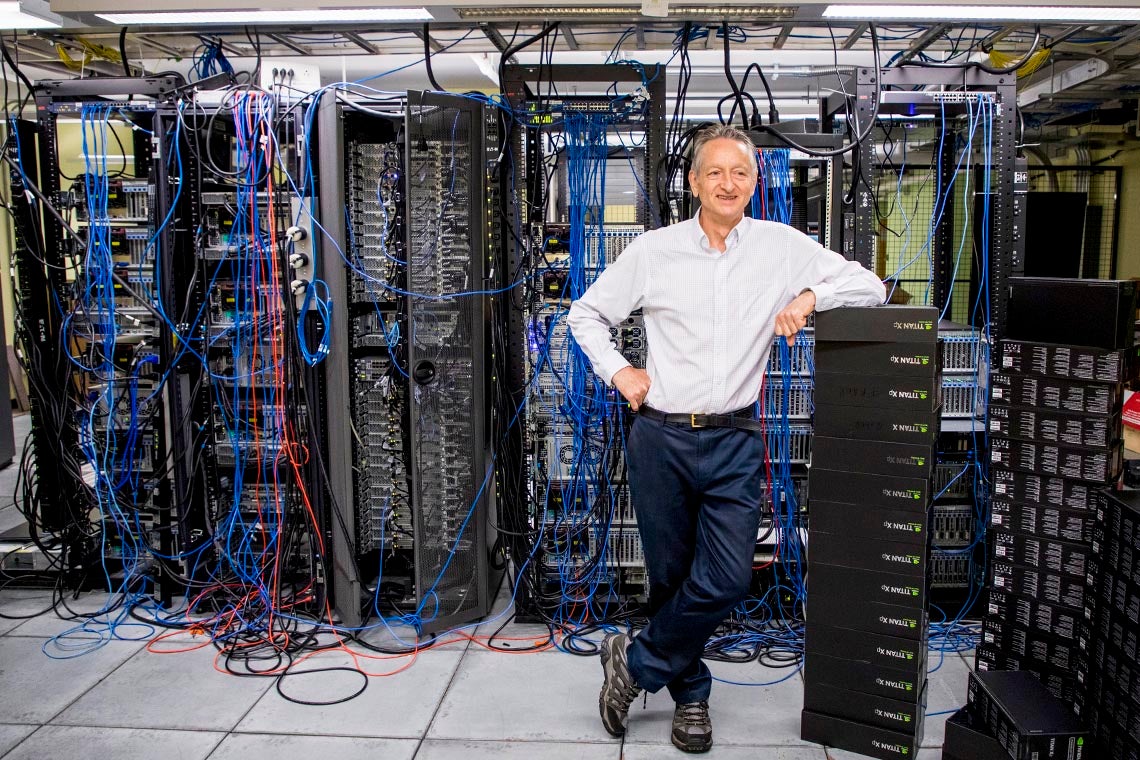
730 240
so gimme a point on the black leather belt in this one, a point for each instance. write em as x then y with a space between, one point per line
742 419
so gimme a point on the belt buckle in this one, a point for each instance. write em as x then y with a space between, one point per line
693 421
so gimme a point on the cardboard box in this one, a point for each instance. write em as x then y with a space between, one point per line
1110 647
1041 520
854 455
1034 724
887 324
919 363
905 657
863 677
886 392
860 738
1042 309
968 739
878 491
989 658
1051 426
1069 558
1096 465
1052 393
1054 588
842 549
1060 655
1066 361
1042 489
1131 421
1034 614
872 710
902 525
1114 742
867 585
837 609
870 424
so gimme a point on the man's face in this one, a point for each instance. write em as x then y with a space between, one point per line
725 180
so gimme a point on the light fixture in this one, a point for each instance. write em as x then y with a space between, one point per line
718 12
983 13
323 16
12 16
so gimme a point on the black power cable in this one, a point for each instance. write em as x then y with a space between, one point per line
514 48
427 59
860 135
123 52
8 57
731 79
773 114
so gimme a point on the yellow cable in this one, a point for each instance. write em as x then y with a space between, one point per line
1036 61
91 51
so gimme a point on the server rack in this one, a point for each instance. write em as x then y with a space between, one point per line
407 378
544 482
130 242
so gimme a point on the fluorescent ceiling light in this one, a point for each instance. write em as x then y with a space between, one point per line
12 17
982 13
343 15
720 12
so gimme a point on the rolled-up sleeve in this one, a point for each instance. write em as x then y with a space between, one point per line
618 291
834 280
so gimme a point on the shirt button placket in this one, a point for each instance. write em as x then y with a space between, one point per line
720 330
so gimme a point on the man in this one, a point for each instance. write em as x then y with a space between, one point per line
714 291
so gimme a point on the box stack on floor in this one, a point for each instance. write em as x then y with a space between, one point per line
1010 715
876 422
1055 440
1110 641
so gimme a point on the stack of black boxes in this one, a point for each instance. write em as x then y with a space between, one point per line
877 417
1010 715
1107 664
1054 441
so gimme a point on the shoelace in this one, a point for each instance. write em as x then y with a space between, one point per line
625 692
694 713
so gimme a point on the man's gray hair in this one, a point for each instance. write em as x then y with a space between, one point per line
719 131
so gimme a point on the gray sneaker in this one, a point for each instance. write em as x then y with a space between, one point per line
618 687
692 727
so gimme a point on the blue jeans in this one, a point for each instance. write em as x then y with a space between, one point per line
696 493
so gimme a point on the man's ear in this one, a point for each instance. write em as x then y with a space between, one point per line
693 182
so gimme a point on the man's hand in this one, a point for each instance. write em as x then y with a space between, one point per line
794 316
633 384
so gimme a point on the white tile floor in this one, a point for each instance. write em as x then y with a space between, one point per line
457 703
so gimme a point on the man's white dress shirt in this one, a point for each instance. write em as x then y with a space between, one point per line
710 316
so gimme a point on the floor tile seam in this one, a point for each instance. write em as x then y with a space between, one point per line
268 687
24 621
226 733
451 680
16 746
82 618
15 634
138 728
250 732
214 749
108 674
722 743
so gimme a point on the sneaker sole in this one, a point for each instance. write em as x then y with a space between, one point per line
689 748
615 731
